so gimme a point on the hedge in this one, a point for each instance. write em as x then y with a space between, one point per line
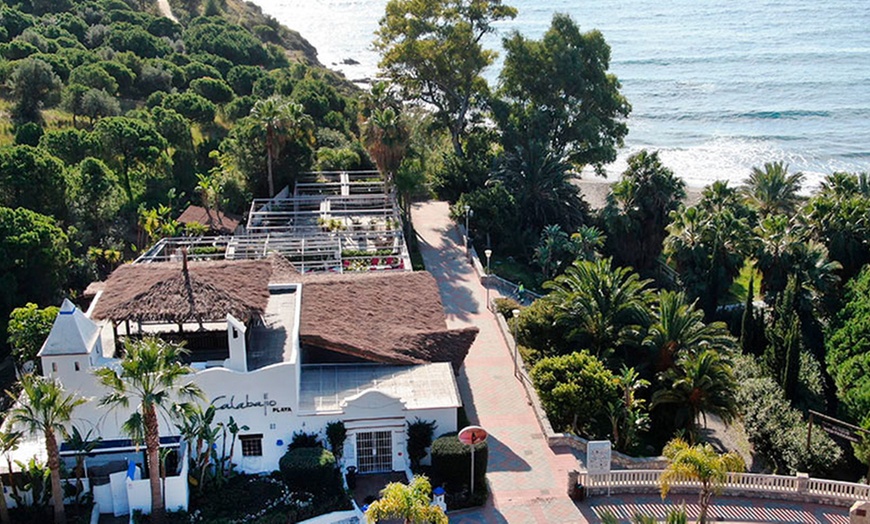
304 468
451 462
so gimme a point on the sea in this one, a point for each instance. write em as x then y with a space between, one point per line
716 87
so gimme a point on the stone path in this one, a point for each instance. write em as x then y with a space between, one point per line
528 480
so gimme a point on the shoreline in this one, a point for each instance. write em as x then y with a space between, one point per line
595 191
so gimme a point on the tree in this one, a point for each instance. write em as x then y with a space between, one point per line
638 209
708 250
279 120
411 502
628 415
782 355
541 182
34 259
772 190
151 378
33 179
128 144
433 52
837 217
848 349
698 463
558 91
575 390
9 441
700 383
82 445
28 328
97 104
678 329
96 196
385 136
603 308
33 84
46 408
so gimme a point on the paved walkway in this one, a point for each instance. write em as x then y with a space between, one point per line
528 479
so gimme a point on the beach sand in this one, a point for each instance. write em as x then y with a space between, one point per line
595 190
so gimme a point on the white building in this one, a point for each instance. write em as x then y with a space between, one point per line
278 351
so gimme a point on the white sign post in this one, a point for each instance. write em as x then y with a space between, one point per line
598 455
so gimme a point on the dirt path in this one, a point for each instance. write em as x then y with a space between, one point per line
165 10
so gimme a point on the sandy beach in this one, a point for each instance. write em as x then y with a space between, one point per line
595 190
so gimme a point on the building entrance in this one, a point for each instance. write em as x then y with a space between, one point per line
374 451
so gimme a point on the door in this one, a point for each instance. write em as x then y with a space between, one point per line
374 451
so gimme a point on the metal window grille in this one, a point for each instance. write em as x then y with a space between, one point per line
252 445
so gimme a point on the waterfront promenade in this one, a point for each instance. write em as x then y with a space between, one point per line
527 478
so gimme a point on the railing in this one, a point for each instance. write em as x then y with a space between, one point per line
799 487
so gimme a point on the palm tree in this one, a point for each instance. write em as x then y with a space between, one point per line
638 210
772 190
708 249
82 444
280 120
700 383
386 137
9 441
603 307
46 408
150 378
679 329
699 463
540 181
410 503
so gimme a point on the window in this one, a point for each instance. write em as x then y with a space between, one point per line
77 366
54 367
252 445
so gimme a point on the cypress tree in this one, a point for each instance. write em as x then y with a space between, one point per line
747 323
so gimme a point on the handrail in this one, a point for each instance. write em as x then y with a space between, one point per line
800 486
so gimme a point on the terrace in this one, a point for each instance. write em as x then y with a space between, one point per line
333 221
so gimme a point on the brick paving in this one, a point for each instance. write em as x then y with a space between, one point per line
527 478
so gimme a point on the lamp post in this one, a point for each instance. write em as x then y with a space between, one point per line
488 253
516 314
468 212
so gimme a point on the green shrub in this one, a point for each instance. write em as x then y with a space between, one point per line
451 463
506 306
336 434
307 468
303 440
420 434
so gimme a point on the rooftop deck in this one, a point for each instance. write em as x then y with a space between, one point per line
332 222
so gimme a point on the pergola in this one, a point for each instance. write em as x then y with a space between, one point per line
333 221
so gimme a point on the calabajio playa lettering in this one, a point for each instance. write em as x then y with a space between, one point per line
242 405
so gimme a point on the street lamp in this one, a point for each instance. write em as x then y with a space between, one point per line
468 213
488 253
516 314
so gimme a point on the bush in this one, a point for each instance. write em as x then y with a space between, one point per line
28 134
451 463
336 434
307 468
420 434
776 430
303 440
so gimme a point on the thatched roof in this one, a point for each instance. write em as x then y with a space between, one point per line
164 292
390 317
215 220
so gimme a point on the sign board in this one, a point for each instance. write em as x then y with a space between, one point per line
598 454
835 428
472 435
